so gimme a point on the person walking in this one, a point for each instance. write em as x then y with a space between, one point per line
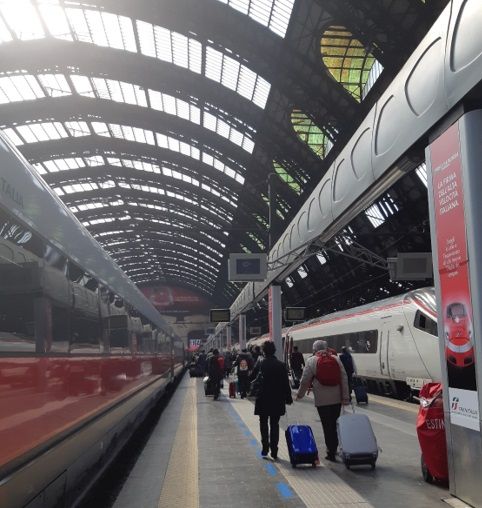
330 389
215 373
349 364
297 362
273 395
244 366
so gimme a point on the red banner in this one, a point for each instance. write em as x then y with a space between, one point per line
453 267
175 300
270 313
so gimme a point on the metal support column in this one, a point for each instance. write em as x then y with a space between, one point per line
275 318
242 331
228 337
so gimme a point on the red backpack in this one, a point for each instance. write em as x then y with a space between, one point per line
327 369
221 362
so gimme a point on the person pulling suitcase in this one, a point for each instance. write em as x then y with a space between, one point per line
330 389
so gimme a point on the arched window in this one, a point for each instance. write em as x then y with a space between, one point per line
310 133
348 61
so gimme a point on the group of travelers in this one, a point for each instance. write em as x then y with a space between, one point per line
274 393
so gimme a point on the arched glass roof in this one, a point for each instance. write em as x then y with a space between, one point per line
159 128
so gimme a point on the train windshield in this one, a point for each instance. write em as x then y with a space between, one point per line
424 299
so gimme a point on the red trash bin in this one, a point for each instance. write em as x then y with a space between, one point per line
431 433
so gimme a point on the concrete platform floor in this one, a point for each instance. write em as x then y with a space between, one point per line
206 454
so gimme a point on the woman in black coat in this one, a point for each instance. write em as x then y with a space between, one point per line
275 392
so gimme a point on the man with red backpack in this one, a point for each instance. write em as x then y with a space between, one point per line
326 373
215 372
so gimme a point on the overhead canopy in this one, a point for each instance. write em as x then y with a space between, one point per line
159 122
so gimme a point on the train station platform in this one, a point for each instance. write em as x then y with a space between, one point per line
206 454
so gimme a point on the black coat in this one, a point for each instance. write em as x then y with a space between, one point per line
275 391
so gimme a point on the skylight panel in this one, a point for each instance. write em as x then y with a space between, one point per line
261 11
96 27
78 129
321 258
55 84
56 21
303 273
102 28
174 106
222 128
22 18
19 88
273 14
112 30
79 25
82 85
55 165
94 160
39 168
180 50
239 78
421 172
172 47
42 131
220 166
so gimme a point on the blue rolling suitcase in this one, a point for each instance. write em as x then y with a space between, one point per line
301 445
361 394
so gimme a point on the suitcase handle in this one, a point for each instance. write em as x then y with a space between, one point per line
345 411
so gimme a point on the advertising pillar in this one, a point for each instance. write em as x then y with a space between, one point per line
242 331
275 318
455 191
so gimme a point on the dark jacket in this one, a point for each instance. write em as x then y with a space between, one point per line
347 361
276 390
239 359
297 361
214 369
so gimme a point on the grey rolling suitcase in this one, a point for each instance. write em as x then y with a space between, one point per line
358 444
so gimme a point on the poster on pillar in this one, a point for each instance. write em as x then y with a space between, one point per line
270 312
453 269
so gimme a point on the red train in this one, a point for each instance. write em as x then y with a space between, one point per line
78 371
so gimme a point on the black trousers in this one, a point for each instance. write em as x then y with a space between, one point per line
328 417
269 435
216 385
243 379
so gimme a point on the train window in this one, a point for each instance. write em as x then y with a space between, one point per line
358 342
17 330
425 323
61 329
86 336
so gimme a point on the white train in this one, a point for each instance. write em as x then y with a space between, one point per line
394 342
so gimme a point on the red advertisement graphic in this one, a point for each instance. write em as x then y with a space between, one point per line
454 274
174 300
270 312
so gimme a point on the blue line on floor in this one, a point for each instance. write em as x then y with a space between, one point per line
270 469
284 490
253 442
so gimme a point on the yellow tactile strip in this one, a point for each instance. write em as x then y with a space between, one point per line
181 486
317 488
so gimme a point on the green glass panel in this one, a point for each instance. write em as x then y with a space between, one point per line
346 59
309 132
286 177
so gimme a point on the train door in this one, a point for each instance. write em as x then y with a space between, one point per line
384 349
